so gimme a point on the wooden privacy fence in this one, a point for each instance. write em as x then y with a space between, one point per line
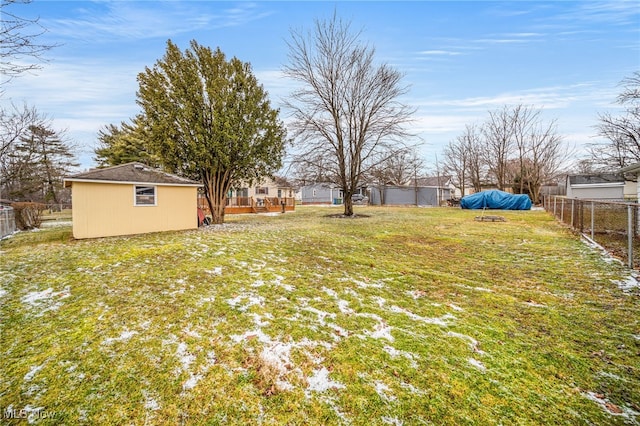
7 221
613 225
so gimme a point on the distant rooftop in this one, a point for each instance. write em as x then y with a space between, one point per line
596 179
131 173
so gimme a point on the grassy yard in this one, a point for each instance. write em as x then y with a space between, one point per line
407 316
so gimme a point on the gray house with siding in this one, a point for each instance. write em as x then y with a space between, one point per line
604 186
321 193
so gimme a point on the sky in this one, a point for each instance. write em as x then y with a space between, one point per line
460 59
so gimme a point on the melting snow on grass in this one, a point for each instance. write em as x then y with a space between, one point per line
480 366
611 408
124 336
36 297
251 300
629 283
384 392
443 320
320 382
32 372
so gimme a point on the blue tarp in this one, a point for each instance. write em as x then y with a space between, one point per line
495 199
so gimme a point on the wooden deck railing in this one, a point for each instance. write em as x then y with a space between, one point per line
237 205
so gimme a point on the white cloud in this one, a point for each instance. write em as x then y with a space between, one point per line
145 20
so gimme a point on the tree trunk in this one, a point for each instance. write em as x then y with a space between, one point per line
348 205
216 187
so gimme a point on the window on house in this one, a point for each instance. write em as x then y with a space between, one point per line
145 196
262 190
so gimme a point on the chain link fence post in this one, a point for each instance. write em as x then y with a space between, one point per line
630 236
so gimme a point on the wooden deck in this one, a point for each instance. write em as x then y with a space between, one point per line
242 205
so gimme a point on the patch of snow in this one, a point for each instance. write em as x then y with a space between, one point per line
125 335
343 305
611 409
442 321
32 372
412 388
257 283
384 391
185 358
380 301
257 320
392 420
628 284
320 381
215 271
251 301
473 343
248 335
278 356
606 256
417 294
330 292
278 282
191 333
480 366
321 314
455 307
3 293
380 331
36 296
395 353
150 403
366 284
191 382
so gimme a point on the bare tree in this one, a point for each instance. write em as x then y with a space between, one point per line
498 134
397 167
546 154
347 109
18 41
622 132
464 159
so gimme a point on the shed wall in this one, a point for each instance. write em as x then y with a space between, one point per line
396 195
107 209
603 193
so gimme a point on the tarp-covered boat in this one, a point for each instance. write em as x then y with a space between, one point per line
495 199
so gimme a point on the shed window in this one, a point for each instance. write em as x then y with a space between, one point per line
145 196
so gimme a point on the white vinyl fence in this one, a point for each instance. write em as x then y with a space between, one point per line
7 221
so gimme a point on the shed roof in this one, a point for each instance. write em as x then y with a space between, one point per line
603 178
130 173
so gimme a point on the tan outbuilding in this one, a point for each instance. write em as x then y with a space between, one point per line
130 199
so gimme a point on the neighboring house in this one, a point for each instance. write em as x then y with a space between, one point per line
267 188
268 195
632 172
129 199
409 195
604 186
321 193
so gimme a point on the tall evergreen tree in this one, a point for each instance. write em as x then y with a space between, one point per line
123 144
41 159
208 118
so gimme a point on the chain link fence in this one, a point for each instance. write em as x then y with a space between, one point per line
613 225
7 221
